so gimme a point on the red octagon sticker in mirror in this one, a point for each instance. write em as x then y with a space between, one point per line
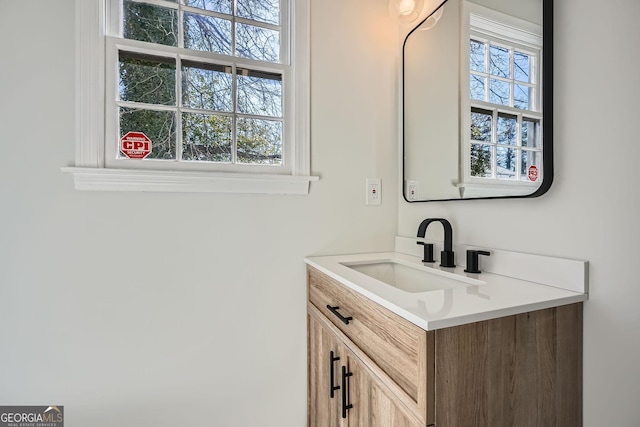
533 173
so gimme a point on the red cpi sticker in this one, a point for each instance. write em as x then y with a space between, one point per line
533 173
135 145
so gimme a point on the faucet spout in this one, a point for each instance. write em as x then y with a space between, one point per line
446 256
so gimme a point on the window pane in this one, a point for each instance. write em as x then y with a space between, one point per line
499 92
499 61
522 67
477 54
480 160
260 10
222 6
145 78
259 141
207 33
506 163
158 126
476 87
206 87
149 23
531 169
530 133
507 129
206 137
480 125
257 43
522 97
259 93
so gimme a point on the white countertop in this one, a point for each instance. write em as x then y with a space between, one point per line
476 298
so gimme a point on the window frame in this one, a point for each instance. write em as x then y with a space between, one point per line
91 170
498 29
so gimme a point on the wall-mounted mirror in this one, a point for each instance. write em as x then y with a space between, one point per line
477 101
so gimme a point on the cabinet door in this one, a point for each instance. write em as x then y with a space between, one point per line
326 357
360 397
372 404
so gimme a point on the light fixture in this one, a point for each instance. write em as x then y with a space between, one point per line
407 10
433 19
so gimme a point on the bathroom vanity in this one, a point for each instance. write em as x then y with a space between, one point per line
471 350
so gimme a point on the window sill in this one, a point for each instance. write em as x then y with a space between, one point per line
497 189
103 179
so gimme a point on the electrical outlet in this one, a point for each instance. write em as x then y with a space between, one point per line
373 191
412 190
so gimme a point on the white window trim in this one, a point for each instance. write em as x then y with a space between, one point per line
90 173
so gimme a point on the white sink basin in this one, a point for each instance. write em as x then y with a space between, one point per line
411 278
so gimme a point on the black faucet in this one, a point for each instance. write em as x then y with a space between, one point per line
446 256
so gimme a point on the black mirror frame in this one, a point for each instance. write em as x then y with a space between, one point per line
547 108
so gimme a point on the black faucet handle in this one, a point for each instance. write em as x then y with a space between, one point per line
428 252
472 260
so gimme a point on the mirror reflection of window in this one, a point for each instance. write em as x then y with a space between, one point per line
504 119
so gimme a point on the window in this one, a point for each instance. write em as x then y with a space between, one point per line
503 120
197 95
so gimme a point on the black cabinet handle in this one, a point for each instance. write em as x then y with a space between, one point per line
334 310
346 405
333 359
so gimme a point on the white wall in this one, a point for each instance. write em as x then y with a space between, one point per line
177 309
593 209
431 101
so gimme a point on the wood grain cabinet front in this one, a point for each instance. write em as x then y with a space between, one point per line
343 389
396 345
326 356
368 367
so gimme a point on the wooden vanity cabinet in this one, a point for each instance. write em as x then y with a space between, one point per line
360 398
521 370
326 357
